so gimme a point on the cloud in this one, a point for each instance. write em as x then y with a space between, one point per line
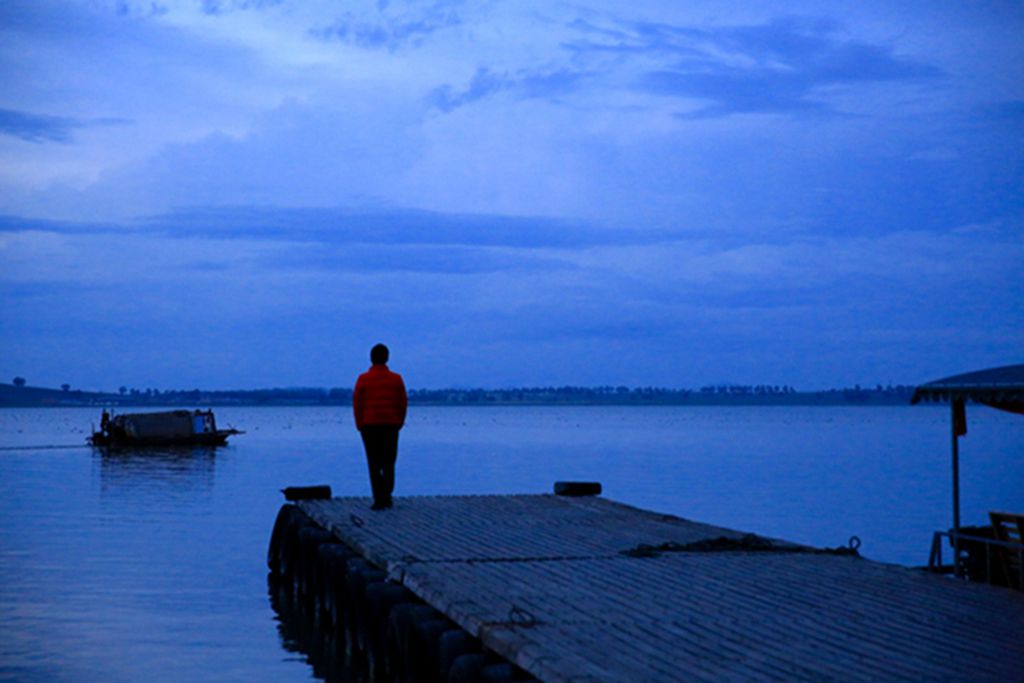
633 38
514 121
36 127
414 259
1004 112
292 300
782 66
390 32
11 223
387 228
223 6
43 128
449 173
390 227
523 84
153 8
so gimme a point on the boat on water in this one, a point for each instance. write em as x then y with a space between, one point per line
168 428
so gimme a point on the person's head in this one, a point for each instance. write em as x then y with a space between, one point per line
379 355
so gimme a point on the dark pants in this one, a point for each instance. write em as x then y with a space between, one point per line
381 443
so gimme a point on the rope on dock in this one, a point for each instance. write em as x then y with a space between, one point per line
518 617
746 543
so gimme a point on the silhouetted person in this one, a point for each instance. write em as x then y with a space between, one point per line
379 403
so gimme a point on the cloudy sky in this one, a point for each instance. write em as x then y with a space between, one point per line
247 193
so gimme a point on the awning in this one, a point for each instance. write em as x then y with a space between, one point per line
1001 388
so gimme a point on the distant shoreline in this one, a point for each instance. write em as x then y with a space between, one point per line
12 396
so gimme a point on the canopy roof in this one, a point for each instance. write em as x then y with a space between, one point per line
1003 386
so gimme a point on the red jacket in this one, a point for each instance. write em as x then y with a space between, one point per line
379 398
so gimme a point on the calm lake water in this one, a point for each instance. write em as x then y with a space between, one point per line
119 567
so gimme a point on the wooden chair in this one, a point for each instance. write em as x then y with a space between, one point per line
1009 528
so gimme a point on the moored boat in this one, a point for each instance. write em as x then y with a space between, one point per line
168 428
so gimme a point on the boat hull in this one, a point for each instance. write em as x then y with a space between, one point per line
217 438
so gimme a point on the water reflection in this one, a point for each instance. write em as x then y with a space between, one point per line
302 633
173 469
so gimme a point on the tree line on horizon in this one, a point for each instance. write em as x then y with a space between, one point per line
714 394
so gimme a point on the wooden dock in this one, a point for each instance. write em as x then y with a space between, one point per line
586 589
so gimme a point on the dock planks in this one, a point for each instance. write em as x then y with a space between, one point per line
543 581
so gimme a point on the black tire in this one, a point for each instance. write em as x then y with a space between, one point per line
331 564
577 488
501 673
394 653
318 492
381 598
467 668
285 519
423 649
452 645
401 624
290 562
310 538
359 573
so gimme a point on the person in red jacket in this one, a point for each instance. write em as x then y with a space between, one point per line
379 403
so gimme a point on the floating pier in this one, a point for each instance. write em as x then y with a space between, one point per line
566 588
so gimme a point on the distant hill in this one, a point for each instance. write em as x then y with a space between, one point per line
26 396
13 396
725 395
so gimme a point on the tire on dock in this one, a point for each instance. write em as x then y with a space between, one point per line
308 541
331 562
290 566
359 573
423 648
380 598
485 667
577 488
452 645
287 517
503 672
401 624
467 668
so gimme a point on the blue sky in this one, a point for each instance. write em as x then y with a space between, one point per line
251 193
